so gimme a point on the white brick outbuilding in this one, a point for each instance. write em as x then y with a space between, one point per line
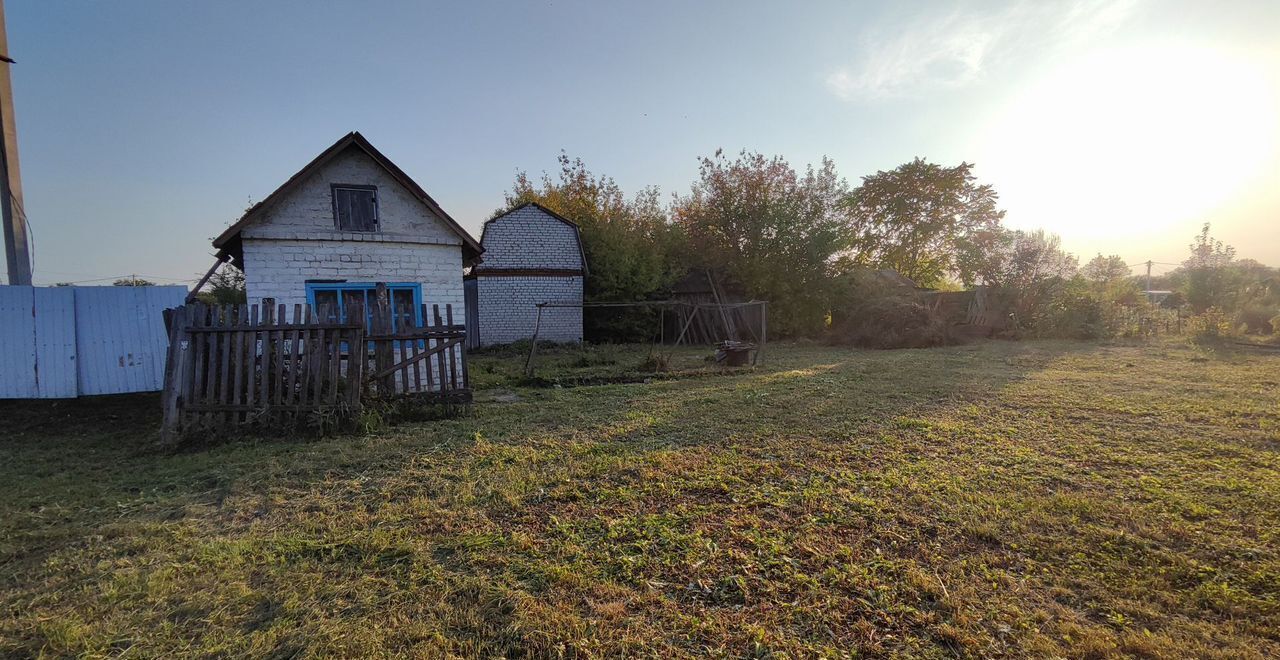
532 255
347 221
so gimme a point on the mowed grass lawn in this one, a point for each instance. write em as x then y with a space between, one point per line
1015 499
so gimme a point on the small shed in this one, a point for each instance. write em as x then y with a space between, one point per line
532 255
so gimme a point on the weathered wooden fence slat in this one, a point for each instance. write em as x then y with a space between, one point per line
230 365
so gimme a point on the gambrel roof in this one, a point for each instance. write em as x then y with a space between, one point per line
229 242
530 255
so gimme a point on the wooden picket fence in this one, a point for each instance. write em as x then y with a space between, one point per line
236 365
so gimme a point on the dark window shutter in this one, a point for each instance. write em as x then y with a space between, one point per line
356 209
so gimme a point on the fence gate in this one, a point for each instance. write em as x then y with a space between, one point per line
426 359
233 365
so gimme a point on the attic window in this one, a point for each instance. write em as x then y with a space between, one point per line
355 208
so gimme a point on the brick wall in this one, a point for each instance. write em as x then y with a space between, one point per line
296 241
308 211
507 308
280 268
528 239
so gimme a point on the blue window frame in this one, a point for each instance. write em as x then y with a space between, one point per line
406 298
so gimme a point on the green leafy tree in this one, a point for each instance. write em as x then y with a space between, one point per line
917 218
226 287
771 228
628 244
1207 279
1031 269
1105 270
132 281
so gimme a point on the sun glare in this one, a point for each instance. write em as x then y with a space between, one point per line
1126 142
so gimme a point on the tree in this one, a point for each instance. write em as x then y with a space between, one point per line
133 281
915 218
226 287
770 228
1032 269
1105 270
1208 282
628 243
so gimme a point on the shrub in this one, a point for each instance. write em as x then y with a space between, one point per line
892 322
655 363
596 354
1078 316
1256 319
1211 326
1275 325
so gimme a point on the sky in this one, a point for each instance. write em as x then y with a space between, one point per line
146 127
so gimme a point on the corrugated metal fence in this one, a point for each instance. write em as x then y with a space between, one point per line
58 342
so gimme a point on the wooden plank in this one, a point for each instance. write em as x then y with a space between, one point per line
444 377
533 344
357 357
317 367
241 359
277 363
333 353
306 352
264 373
214 369
397 324
201 345
222 258
211 364
295 361
420 333
425 356
382 349
427 336
199 353
177 364
453 365
466 375
224 385
416 365
251 365
219 408
239 328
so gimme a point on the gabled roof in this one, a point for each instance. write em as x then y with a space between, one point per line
576 230
228 242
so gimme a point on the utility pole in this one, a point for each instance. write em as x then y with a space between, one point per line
17 251
1148 262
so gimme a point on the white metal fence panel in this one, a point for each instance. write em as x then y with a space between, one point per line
67 341
17 343
55 341
120 337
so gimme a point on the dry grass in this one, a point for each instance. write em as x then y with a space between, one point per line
1000 499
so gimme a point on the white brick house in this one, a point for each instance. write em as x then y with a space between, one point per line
347 221
531 255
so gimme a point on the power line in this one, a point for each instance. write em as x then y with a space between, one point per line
130 276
